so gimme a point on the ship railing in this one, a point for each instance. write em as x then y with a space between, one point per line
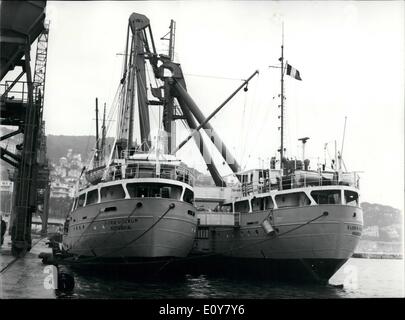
178 173
301 180
98 164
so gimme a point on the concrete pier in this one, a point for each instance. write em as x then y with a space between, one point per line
23 278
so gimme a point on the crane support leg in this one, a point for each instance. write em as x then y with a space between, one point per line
25 193
219 182
228 157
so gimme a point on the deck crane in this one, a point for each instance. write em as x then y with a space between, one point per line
140 47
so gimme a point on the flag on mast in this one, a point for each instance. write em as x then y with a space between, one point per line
292 72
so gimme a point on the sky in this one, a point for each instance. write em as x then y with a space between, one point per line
350 56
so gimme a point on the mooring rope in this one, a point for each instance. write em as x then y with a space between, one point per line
84 231
138 205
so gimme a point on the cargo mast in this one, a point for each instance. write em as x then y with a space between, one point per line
282 102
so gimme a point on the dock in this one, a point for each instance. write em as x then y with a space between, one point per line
23 278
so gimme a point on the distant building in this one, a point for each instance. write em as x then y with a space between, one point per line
60 190
63 161
372 231
74 173
64 175
60 171
392 231
69 154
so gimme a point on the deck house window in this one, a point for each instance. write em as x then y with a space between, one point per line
257 204
268 203
326 196
351 198
154 190
296 199
114 192
242 206
80 202
188 196
175 192
92 197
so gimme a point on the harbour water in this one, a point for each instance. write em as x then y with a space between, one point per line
361 278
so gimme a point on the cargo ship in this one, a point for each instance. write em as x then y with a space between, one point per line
138 202
282 221
133 203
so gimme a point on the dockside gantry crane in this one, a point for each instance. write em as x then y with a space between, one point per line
21 106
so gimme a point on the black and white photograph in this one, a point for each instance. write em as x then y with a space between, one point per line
202 150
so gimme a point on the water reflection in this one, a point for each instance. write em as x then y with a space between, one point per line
191 286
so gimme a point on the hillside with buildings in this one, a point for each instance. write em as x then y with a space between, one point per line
58 146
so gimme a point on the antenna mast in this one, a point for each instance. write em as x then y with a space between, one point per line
97 137
172 39
343 142
282 100
103 133
168 118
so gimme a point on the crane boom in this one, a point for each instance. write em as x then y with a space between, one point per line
139 49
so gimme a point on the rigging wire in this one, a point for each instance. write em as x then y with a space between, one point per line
248 133
88 142
244 133
212 77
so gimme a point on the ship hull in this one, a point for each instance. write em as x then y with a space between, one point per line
297 250
294 270
138 229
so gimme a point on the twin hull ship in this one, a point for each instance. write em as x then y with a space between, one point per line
143 211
